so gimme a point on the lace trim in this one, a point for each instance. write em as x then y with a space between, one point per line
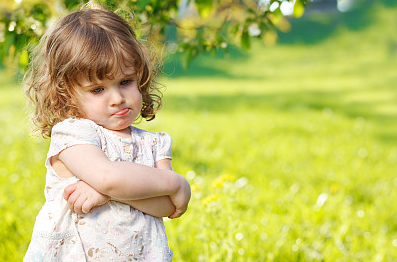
121 139
54 236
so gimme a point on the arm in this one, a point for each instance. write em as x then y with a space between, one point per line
120 180
82 197
153 187
156 206
159 206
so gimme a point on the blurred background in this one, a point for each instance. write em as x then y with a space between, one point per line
286 130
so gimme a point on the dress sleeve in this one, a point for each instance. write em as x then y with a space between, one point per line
163 146
72 132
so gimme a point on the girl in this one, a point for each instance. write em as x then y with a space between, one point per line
90 79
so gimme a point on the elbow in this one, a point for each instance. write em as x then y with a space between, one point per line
175 182
106 182
112 183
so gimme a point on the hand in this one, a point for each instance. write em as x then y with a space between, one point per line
82 197
181 198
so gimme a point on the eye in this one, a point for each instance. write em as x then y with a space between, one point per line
97 90
126 82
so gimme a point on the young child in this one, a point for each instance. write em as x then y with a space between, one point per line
108 184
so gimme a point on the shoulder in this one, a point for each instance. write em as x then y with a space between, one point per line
75 129
159 142
74 123
150 136
72 132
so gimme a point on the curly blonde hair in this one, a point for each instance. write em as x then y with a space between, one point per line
90 43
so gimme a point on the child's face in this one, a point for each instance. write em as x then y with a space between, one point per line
111 103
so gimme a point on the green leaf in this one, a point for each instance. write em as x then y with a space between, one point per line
6 46
142 4
204 7
245 40
299 9
24 58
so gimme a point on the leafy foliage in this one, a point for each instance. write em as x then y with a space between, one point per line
188 27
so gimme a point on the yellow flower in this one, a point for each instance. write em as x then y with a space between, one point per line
217 184
219 181
195 187
334 188
209 199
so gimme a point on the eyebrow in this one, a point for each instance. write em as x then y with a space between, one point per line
119 77
132 73
90 85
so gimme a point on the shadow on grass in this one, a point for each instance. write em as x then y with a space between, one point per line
321 23
205 65
389 3
288 102
173 69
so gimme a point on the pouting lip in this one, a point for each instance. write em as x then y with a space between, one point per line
122 112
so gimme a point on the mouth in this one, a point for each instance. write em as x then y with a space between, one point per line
122 112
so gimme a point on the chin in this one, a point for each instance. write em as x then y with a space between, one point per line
124 124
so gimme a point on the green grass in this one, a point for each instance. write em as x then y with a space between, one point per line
291 150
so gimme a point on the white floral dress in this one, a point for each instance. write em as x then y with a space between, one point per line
111 232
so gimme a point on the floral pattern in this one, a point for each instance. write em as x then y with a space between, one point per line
112 232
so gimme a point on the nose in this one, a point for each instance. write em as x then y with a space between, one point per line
117 97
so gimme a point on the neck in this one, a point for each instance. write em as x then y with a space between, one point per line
124 133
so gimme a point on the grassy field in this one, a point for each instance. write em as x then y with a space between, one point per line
291 150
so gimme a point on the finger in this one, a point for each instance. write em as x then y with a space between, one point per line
78 204
176 214
69 190
72 199
87 206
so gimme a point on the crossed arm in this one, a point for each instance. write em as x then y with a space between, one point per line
156 191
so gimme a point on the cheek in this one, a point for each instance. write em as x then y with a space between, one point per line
137 97
88 108
83 112
140 101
